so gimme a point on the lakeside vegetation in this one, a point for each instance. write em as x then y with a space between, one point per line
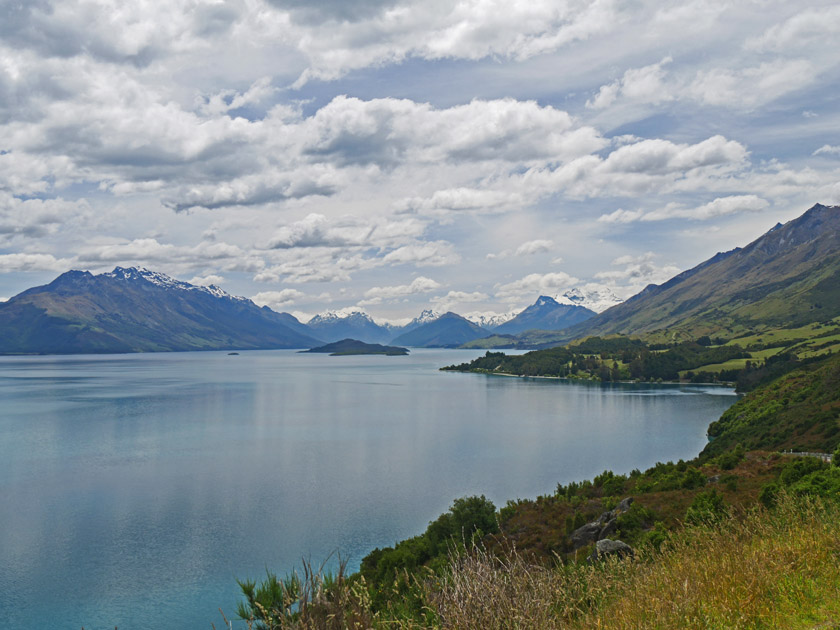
753 530
746 361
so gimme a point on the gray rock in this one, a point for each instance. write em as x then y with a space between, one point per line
608 529
623 506
586 534
606 525
610 549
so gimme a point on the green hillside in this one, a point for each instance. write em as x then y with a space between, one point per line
788 277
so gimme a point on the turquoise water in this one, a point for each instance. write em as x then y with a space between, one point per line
134 489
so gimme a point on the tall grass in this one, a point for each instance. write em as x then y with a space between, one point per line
760 569
777 569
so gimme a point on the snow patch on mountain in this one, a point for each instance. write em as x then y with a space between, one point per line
490 320
595 297
341 314
168 282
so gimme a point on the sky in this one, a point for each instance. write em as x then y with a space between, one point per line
398 155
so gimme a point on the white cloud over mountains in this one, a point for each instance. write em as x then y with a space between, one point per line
352 146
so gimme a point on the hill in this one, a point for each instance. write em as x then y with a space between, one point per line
447 331
545 314
790 276
137 310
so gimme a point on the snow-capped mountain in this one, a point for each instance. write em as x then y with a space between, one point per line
596 298
545 314
167 282
137 310
490 320
350 323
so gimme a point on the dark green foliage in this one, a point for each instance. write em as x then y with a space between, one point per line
800 467
800 411
467 521
599 358
730 459
707 507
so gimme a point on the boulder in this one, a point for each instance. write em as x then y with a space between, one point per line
606 525
607 548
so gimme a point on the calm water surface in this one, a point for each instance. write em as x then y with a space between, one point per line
134 489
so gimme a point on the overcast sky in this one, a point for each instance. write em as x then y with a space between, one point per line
401 154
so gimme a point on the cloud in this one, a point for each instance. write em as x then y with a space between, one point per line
638 84
420 284
636 273
721 206
528 248
278 299
621 216
827 149
473 30
204 281
807 29
316 231
429 254
456 298
535 284
746 88
32 262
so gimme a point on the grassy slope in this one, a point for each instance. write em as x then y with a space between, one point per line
799 411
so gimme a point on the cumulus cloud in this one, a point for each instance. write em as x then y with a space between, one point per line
638 84
32 262
473 29
528 248
316 231
721 206
421 284
535 284
278 299
635 273
428 254
456 298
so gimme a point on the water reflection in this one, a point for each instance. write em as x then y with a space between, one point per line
137 487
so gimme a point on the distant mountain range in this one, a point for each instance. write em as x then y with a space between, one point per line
545 314
447 331
138 310
788 277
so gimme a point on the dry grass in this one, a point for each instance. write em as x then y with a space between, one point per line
759 570
762 570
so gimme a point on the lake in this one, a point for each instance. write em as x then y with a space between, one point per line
136 488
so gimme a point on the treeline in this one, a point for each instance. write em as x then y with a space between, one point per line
611 359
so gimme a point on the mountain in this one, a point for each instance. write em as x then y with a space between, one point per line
490 320
447 331
593 297
428 315
137 310
545 314
788 277
337 325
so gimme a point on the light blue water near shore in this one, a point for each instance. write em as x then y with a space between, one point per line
134 489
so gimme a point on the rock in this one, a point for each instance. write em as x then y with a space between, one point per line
606 525
586 534
607 548
623 506
608 529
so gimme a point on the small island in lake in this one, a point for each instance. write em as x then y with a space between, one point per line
353 346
